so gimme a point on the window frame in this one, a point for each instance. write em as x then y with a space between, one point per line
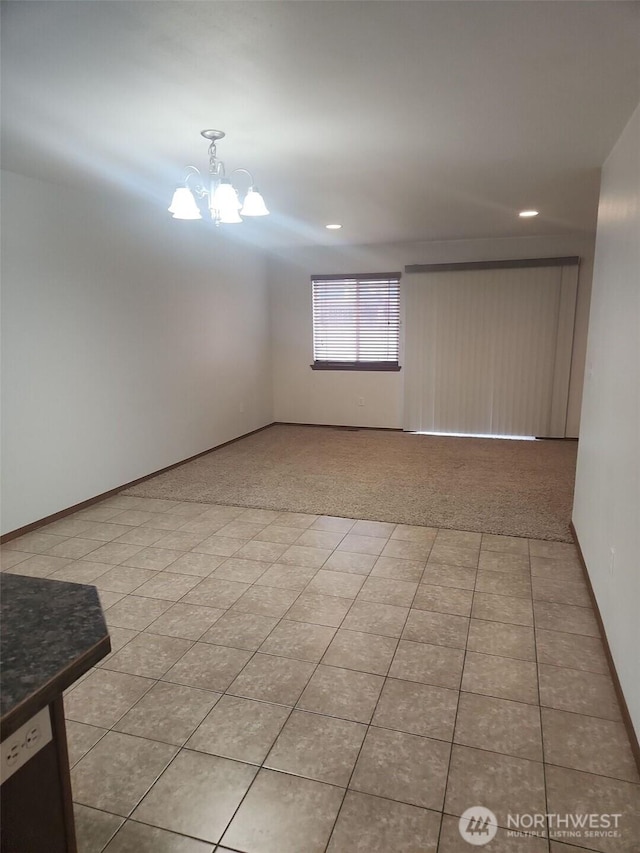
358 365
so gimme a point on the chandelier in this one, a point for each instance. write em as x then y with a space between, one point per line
222 198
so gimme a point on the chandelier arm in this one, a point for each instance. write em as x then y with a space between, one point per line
199 189
246 171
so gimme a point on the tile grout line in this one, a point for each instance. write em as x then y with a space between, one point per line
455 719
542 746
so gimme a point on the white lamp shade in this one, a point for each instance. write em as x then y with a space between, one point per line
225 198
254 204
183 205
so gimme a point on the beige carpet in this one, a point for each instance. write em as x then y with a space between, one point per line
518 488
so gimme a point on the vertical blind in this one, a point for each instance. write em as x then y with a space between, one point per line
356 321
489 351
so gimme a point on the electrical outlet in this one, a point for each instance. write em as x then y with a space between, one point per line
32 738
24 743
13 754
242 408
361 401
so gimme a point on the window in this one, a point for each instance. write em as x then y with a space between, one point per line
356 322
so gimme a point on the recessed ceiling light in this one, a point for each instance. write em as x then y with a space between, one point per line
525 214
333 227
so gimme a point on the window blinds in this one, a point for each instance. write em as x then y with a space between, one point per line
356 321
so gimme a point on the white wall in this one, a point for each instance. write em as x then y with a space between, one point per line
130 341
606 511
302 395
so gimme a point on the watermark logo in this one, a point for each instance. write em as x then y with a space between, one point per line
478 826
565 826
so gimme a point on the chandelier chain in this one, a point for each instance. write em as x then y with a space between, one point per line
216 166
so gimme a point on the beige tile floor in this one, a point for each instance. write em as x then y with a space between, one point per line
288 683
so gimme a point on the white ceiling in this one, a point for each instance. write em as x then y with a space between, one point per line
402 120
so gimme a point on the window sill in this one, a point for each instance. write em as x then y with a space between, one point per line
383 367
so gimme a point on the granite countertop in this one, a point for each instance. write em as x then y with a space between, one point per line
51 633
